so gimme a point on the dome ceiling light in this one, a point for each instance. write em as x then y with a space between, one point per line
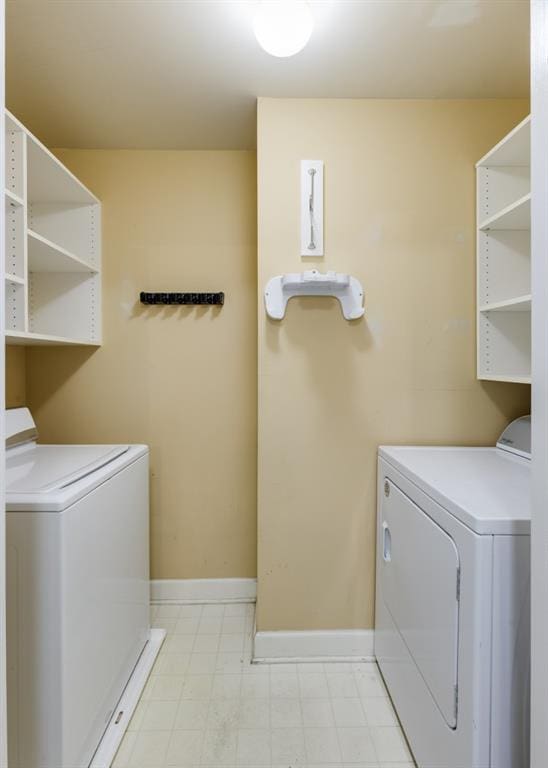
283 27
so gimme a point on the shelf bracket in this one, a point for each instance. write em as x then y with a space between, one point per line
347 289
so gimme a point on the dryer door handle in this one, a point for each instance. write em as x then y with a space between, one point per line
386 543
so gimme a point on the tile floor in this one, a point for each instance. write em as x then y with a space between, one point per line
205 704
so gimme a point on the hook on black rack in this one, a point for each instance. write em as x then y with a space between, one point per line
211 299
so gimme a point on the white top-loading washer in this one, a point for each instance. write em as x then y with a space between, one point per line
452 609
77 590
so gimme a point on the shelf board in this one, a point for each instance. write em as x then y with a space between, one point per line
513 149
507 378
517 304
45 256
517 215
43 339
48 179
14 279
13 199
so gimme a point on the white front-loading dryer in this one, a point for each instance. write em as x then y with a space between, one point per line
452 605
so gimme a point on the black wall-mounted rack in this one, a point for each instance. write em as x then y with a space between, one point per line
212 299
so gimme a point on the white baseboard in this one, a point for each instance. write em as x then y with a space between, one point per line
203 590
314 645
125 708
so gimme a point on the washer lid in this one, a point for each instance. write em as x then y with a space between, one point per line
485 488
43 468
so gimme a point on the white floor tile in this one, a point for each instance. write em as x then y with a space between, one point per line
226 687
231 643
283 686
342 685
348 713
322 745
191 715
285 713
317 712
256 686
187 625
178 644
313 686
236 609
288 746
254 713
184 748
220 747
210 625
369 683
223 714
159 716
379 711
234 625
230 663
149 749
167 688
206 643
390 745
197 687
356 745
172 663
254 747
202 663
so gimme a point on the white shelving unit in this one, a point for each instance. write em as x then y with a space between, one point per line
504 259
53 247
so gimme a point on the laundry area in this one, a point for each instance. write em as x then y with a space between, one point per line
275 433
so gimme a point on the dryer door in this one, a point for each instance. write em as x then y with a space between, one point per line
421 575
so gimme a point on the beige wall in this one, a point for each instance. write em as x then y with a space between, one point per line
399 214
15 377
182 380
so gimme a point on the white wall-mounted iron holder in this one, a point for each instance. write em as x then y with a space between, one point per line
347 289
312 208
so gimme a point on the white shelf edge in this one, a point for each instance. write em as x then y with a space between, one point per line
13 198
59 249
510 305
487 224
9 278
509 136
28 337
506 378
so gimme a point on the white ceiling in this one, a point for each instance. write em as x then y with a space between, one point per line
186 73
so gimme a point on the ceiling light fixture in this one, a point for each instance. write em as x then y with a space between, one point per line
283 27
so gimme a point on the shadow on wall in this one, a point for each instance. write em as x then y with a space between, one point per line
322 358
68 360
168 311
498 392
